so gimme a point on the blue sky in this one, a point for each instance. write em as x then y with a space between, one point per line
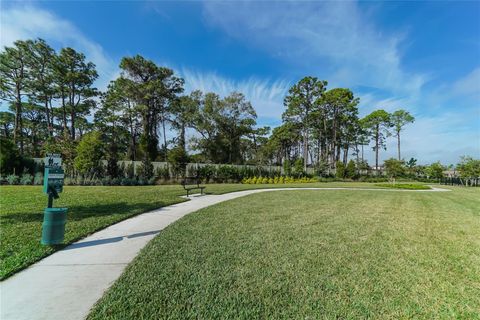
420 56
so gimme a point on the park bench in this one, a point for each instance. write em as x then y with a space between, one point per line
192 183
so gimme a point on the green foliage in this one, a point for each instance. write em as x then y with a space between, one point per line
178 159
207 172
298 167
38 179
377 126
395 168
163 173
66 147
287 167
89 153
469 167
435 170
350 171
301 103
129 171
10 159
406 186
340 169
223 125
26 179
145 170
12 179
399 119
322 168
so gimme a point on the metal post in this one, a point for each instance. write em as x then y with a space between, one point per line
50 200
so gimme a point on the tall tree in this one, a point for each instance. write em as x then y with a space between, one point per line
14 75
151 89
377 123
108 121
282 141
75 77
399 119
183 111
301 102
222 123
341 110
42 79
7 120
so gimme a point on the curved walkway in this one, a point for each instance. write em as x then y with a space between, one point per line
66 284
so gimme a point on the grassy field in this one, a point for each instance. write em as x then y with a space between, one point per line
311 255
89 209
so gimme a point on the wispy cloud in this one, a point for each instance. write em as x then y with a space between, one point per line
22 22
469 84
335 40
266 96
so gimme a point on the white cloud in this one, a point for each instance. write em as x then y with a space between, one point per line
335 40
469 84
266 96
22 22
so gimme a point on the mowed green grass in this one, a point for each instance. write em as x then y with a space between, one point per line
89 209
331 254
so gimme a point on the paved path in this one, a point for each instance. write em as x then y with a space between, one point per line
66 284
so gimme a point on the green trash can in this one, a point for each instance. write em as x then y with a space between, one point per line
53 228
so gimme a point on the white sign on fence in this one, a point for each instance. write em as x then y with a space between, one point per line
53 160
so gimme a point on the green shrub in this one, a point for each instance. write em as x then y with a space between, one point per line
12 179
207 172
130 171
178 159
407 186
38 179
287 167
89 154
298 167
350 171
340 169
145 170
163 172
26 179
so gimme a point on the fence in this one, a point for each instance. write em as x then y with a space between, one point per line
455 181
193 167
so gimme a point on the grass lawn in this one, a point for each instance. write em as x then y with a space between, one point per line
310 255
89 209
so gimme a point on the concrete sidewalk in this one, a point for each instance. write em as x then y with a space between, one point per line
66 284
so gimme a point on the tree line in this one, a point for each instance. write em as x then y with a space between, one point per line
54 106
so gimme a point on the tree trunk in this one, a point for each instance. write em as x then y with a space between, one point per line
164 140
305 151
377 133
398 144
345 154
64 114
17 133
182 136
72 124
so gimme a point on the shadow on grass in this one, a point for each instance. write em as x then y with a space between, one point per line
78 212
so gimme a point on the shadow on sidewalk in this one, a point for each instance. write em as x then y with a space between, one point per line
108 240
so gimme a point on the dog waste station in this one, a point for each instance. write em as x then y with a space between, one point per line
54 219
